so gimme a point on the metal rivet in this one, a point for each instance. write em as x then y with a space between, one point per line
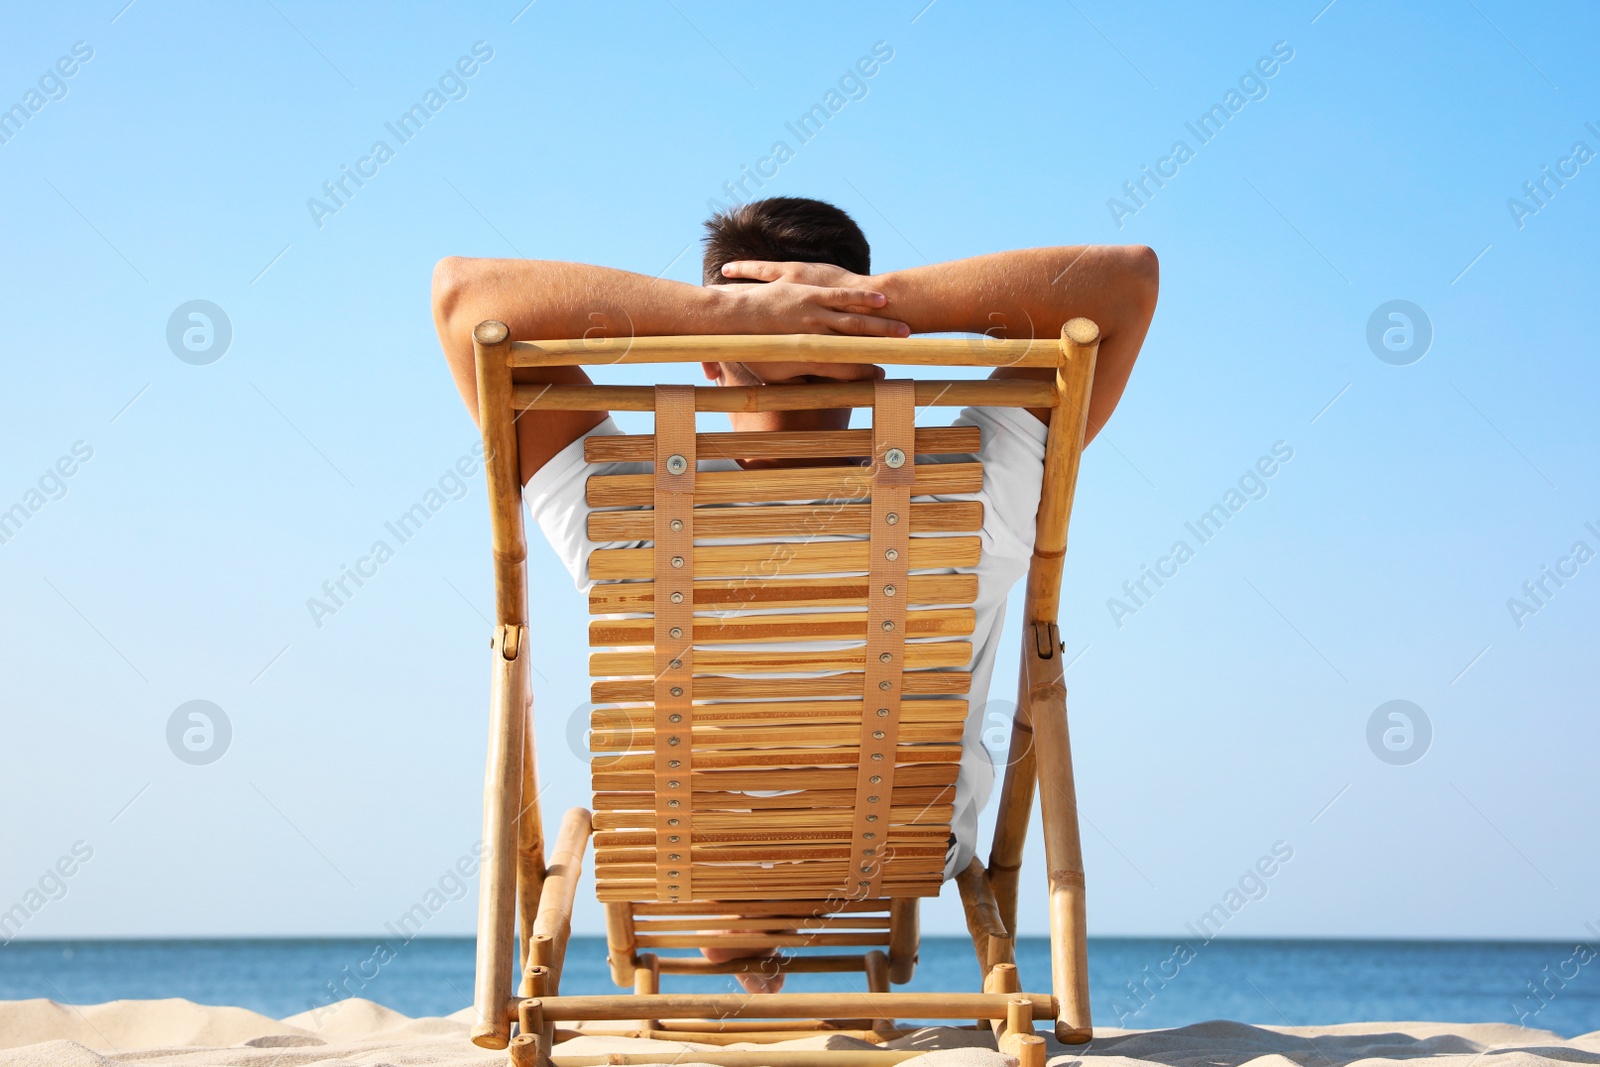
677 561
866 868
891 518
869 835
894 458
673 785
674 857
877 735
888 590
674 804
674 717
672 740
877 755
676 525
874 780
883 684
676 631
676 664
888 626
674 822
674 888
863 885
883 713
672 874
872 818
872 800
673 839
885 657
677 464
676 690
891 554
676 598
672 763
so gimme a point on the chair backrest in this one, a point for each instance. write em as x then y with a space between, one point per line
780 669
781 698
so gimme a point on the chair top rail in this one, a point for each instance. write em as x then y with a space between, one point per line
798 347
1012 393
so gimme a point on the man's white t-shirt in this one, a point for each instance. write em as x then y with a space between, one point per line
1012 453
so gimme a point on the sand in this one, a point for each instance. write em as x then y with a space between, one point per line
359 1032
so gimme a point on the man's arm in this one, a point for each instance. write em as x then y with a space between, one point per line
546 300
1027 293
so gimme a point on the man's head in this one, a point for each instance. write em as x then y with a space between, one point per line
784 229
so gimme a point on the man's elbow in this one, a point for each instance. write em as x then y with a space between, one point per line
450 282
1143 275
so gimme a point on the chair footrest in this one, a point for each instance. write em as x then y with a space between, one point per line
785 1006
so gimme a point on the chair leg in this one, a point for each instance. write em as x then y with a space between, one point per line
502 805
647 982
1058 811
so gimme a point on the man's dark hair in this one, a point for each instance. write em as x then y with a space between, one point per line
784 229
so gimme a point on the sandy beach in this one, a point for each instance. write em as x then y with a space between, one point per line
43 1033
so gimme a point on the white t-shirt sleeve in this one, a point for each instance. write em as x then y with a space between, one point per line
557 501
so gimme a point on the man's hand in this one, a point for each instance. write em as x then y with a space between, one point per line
792 305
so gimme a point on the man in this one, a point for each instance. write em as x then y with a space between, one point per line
789 265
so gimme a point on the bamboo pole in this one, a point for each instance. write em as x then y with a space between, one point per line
621 951
1058 812
554 921
1063 449
647 982
729 1058
497 895
904 935
790 1006
1003 979
1080 342
990 939
530 834
1016 807
1003 393
794 347
509 743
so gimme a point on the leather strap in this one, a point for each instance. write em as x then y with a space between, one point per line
673 516
893 471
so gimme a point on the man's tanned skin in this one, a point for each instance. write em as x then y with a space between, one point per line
1023 294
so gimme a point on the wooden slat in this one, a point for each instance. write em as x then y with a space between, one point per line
773 444
766 853
634 891
779 821
981 351
787 520
792 757
910 835
614 780
913 683
781 626
809 798
615 598
757 941
764 562
796 909
828 484
918 655
1005 393
824 922
614 742
932 709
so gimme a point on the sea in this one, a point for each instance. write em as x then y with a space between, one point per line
1137 983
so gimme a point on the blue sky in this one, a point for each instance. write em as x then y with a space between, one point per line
1229 712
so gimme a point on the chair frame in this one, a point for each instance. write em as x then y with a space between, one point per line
525 901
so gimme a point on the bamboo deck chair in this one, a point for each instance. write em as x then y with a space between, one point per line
850 745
